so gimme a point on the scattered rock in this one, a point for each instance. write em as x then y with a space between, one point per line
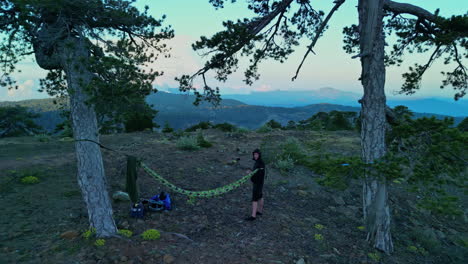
311 219
339 200
300 261
440 234
336 251
452 231
346 211
429 233
327 256
121 196
124 225
100 255
168 259
71 234
302 193
233 162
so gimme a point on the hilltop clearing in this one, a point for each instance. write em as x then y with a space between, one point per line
45 222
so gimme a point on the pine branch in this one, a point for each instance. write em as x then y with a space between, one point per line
338 3
255 27
403 8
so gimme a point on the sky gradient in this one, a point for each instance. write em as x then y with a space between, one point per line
331 67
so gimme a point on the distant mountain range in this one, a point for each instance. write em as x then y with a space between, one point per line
178 109
330 95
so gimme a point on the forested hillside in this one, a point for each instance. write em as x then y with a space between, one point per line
178 110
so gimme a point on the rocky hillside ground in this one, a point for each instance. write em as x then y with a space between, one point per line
303 222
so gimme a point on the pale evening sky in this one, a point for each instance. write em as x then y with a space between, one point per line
331 67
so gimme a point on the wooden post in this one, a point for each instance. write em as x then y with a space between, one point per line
131 186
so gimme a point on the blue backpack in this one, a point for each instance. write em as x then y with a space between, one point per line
160 202
137 210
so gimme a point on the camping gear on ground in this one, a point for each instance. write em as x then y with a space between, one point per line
160 202
137 210
155 206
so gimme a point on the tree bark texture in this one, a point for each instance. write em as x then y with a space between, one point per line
74 54
375 195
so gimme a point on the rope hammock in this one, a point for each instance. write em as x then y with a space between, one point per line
131 186
192 194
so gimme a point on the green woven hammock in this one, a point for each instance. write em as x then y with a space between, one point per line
193 194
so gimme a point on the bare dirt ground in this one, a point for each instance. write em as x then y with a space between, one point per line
35 218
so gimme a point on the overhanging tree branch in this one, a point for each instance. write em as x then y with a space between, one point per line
255 27
403 8
338 3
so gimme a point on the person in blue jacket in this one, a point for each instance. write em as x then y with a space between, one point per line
257 179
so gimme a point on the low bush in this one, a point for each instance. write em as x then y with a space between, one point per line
42 137
201 141
225 127
285 164
167 128
201 125
29 180
264 129
151 234
187 143
125 232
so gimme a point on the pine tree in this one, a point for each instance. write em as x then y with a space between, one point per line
18 121
95 51
290 20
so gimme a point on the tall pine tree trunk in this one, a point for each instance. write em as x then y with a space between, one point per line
91 177
375 195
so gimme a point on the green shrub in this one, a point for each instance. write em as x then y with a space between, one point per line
242 130
125 232
187 143
140 121
426 238
42 137
201 125
201 141
374 256
167 128
151 234
319 226
285 164
29 180
269 151
100 242
89 233
273 124
441 204
225 127
293 148
291 125
335 178
264 129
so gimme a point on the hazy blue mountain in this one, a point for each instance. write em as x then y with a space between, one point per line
434 105
442 106
298 98
179 111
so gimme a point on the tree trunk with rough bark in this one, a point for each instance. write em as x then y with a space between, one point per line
375 194
91 177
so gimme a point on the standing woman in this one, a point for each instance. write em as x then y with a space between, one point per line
257 180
